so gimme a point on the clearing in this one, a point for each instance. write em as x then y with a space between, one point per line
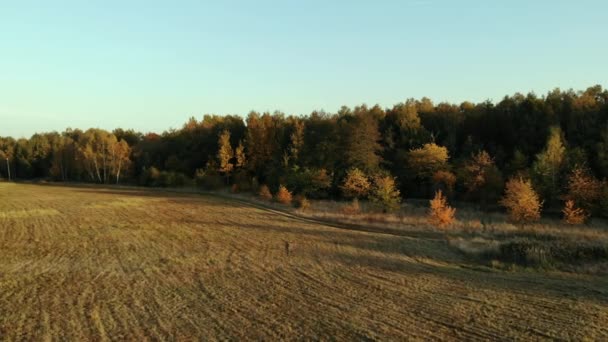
108 264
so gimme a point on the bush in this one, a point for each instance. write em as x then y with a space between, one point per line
174 179
528 252
264 193
283 196
208 180
301 202
356 184
440 213
521 201
352 209
572 214
385 194
243 181
149 176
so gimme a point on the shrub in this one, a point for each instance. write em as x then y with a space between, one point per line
283 196
521 201
301 202
572 214
173 179
356 184
208 180
149 176
264 193
242 180
531 252
440 213
385 194
352 209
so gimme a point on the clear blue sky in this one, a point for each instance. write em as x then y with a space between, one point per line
150 65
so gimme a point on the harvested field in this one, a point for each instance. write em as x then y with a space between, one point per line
107 264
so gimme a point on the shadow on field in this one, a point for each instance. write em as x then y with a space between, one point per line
541 284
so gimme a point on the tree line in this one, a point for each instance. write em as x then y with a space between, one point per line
468 151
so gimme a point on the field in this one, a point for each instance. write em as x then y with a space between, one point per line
113 264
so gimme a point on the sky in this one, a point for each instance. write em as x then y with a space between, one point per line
150 65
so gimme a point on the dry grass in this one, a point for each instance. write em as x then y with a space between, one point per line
94 264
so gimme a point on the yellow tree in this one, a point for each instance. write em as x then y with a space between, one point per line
549 163
356 184
239 155
427 160
521 201
225 154
120 153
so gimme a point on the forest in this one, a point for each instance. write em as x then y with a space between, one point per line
556 143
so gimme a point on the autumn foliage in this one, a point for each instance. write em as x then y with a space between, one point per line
356 184
521 201
583 189
572 214
385 194
440 213
283 196
264 193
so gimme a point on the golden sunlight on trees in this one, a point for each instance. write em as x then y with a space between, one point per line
549 163
440 213
283 196
427 160
385 194
572 214
356 184
225 154
521 201
583 189
482 179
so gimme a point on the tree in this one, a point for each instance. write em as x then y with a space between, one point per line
482 179
476 170
283 195
549 164
120 152
440 213
385 194
427 160
583 189
356 184
225 155
362 148
239 155
521 201
572 214
296 141
444 180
